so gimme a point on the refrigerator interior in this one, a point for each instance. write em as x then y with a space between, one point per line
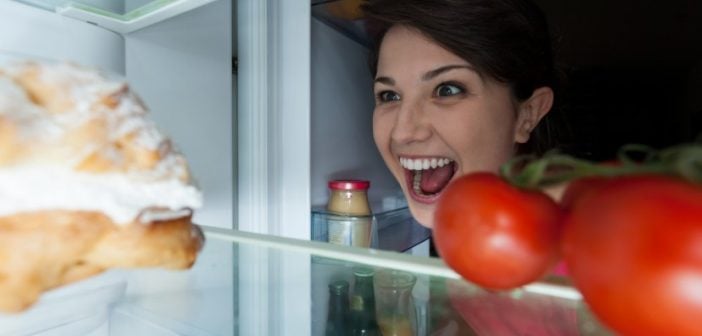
342 111
251 284
182 68
263 142
36 32
300 113
180 63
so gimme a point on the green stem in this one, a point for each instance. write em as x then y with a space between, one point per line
529 172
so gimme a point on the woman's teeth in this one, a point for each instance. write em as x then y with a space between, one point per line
423 164
417 166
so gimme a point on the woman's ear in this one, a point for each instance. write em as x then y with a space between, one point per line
531 111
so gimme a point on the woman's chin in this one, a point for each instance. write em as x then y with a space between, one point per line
423 214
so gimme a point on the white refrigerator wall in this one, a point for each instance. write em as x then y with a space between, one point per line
182 68
342 114
31 31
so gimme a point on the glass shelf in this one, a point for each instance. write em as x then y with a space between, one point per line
121 16
249 284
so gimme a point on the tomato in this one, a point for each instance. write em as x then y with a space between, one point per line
494 234
580 189
633 248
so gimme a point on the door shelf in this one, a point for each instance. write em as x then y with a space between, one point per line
392 230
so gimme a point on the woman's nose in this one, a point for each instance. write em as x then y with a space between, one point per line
410 124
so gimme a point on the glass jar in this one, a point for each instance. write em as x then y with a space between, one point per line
349 197
350 221
394 303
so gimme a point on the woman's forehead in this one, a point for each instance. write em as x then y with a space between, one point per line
403 46
410 54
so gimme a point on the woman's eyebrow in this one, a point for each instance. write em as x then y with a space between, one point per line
385 80
433 73
429 75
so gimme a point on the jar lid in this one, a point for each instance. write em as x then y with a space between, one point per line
349 185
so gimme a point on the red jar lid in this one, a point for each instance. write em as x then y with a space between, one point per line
349 185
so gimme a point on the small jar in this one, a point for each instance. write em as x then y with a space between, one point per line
349 197
350 220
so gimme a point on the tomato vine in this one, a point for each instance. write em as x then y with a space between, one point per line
532 172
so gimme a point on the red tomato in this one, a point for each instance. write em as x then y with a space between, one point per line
634 250
494 234
581 188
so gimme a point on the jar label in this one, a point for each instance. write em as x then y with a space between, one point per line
352 231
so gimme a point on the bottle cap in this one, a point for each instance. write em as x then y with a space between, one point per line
349 185
339 287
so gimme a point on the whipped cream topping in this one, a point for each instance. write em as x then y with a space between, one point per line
119 196
50 180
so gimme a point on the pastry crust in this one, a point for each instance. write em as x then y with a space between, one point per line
43 250
76 125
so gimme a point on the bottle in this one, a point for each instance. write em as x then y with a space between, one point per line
338 314
363 321
350 221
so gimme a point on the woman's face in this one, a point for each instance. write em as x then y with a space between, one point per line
436 119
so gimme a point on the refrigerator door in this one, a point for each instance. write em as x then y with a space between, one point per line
250 284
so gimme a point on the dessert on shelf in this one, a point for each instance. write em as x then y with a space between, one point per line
87 182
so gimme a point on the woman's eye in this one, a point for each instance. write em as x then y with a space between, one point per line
447 90
387 96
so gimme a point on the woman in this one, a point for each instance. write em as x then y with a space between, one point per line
460 86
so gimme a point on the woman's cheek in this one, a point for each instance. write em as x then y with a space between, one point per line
423 214
382 128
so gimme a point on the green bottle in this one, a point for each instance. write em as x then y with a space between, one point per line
363 319
338 314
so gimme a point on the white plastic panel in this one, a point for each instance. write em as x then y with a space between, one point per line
182 69
35 32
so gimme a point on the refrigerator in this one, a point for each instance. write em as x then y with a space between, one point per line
268 99
253 284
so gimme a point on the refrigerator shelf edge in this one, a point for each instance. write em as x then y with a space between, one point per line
144 16
372 257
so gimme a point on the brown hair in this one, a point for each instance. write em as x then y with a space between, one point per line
507 40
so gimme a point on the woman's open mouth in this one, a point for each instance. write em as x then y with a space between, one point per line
427 177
